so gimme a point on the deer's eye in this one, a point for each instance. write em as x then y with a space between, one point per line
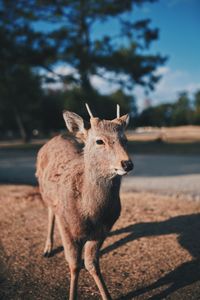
99 142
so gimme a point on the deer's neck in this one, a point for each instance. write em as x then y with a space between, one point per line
99 190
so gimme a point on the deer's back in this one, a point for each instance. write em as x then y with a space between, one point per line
57 160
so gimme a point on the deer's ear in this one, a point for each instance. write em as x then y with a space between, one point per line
123 120
75 124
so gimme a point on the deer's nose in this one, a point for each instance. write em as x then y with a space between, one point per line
127 165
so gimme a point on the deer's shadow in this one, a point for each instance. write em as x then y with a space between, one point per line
187 227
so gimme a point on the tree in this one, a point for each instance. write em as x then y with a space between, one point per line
197 100
160 115
105 105
42 33
20 88
169 114
20 97
182 112
121 59
197 107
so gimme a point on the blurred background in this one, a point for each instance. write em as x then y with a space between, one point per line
142 54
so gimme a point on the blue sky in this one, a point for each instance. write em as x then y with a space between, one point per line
179 24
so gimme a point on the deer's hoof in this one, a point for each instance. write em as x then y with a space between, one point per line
47 250
47 254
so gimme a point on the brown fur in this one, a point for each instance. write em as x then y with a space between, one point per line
80 186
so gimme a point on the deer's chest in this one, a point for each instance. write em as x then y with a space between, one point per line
91 212
94 224
100 211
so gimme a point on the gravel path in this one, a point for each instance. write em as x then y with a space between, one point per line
169 174
165 174
179 185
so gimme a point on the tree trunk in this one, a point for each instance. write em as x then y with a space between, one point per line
84 56
85 81
20 125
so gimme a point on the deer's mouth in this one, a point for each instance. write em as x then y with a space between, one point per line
120 172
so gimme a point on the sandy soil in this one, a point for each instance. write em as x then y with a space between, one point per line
152 252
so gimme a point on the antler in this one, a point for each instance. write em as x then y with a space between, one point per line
118 111
89 111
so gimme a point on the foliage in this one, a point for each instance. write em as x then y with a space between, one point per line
181 112
105 105
197 108
69 38
20 91
156 116
39 34
20 96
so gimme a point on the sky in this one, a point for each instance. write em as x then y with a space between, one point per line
179 39
179 23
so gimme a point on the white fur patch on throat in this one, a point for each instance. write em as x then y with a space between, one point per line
121 172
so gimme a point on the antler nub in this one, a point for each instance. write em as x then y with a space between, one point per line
118 111
89 111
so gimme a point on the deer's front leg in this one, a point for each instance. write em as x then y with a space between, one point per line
49 241
91 259
72 250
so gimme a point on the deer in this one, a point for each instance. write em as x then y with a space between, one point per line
79 176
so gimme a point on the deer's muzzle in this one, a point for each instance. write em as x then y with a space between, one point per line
127 165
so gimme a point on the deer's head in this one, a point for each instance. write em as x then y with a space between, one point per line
105 142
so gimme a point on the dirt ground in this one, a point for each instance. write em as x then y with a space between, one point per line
152 253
